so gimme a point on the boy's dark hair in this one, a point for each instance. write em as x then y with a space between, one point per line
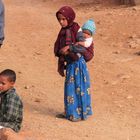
10 74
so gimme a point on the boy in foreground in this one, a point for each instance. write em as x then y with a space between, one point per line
11 107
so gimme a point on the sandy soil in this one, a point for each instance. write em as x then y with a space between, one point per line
31 29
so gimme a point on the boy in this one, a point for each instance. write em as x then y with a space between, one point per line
11 107
1 23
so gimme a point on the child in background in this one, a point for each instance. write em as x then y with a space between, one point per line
1 23
11 107
77 97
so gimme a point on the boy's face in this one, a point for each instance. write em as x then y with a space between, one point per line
5 84
62 20
86 34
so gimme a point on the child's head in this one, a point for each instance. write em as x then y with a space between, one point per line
65 16
7 79
89 27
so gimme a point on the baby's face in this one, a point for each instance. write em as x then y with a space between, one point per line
5 84
86 34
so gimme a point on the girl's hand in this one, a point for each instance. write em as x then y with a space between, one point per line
64 50
77 43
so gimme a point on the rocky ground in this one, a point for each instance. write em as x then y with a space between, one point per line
30 31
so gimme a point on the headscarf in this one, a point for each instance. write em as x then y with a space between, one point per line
90 26
69 14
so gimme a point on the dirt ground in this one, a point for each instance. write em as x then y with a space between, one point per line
30 31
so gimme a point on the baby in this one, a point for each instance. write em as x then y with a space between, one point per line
84 46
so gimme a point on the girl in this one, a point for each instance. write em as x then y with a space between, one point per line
77 96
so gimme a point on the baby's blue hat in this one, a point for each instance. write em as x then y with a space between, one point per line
89 25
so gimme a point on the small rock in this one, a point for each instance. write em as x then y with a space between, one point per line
109 13
125 77
37 100
100 34
137 53
98 22
116 52
120 105
36 112
19 72
106 82
132 46
96 9
112 93
134 9
132 36
33 86
114 83
26 87
37 53
129 97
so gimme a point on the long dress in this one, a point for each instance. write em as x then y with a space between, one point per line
77 96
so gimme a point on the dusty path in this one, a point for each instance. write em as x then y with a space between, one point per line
115 70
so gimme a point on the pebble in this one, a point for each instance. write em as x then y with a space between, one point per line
116 52
125 77
129 97
37 100
26 87
114 83
137 53
112 93
132 46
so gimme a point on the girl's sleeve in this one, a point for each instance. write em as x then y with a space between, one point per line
79 36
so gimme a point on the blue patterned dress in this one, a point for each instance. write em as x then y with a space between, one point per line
77 96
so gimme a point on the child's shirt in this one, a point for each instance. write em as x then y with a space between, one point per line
11 110
88 42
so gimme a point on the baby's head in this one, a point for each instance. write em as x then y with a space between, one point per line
65 16
7 80
89 28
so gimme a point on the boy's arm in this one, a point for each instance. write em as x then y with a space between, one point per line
1 23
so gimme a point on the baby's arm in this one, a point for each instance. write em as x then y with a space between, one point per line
77 48
80 43
72 48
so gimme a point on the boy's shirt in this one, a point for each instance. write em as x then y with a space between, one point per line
11 110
